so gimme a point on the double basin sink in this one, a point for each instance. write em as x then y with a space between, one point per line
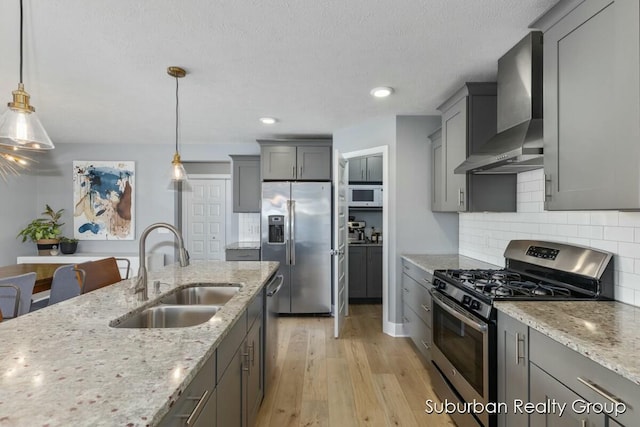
189 306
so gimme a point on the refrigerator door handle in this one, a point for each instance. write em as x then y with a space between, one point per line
287 242
292 250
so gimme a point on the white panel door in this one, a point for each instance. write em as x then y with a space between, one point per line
204 208
340 234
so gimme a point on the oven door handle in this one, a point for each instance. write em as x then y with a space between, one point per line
463 317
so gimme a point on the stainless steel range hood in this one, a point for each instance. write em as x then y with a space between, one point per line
517 147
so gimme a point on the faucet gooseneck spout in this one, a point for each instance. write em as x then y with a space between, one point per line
183 257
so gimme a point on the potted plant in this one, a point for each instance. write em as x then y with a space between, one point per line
45 232
68 245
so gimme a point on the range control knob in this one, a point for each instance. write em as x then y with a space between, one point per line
440 285
466 300
475 305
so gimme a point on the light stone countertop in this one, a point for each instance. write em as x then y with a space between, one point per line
243 245
444 262
64 365
607 332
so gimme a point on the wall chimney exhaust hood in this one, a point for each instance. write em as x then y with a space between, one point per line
517 147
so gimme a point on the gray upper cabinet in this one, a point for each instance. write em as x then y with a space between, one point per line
291 160
436 171
365 169
591 105
468 121
245 180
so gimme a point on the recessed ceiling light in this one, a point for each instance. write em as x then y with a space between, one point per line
268 120
381 92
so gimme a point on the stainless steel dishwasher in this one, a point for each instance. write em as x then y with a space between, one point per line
271 328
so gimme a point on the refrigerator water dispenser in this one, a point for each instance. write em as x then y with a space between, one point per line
276 229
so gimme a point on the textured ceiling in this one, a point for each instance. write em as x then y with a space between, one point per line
96 70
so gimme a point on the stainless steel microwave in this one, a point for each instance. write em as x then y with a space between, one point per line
365 196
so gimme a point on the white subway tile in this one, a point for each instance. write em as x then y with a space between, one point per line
580 218
636 268
551 229
625 264
591 231
631 250
621 234
533 186
636 235
624 294
537 196
629 219
605 245
637 302
525 196
568 230
578 241
604 218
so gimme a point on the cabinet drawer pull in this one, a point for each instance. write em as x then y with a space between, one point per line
199 406
547 186
252 353
425 345
519 340
293 171
427 280
405 289
246 366
601 391
425 308
405 320
460 197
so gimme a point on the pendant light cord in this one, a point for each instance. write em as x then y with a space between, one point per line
21 20
177 105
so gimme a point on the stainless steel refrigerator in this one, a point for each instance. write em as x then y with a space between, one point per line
296 230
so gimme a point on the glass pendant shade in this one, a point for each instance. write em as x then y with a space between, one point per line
178 173
20 127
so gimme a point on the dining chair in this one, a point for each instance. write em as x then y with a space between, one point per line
67 283
15 294
99 273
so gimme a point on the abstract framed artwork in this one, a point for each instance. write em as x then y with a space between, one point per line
104 200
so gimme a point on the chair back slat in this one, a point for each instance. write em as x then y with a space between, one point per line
98 274
66 283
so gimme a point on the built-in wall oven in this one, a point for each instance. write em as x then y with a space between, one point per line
464 352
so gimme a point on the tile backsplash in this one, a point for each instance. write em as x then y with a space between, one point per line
248 227
485 235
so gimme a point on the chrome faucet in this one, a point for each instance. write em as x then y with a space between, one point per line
183 257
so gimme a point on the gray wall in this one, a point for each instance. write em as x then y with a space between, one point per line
53 185
413 227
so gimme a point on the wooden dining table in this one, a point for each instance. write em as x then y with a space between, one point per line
44 274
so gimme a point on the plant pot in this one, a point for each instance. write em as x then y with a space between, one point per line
45 246
68 248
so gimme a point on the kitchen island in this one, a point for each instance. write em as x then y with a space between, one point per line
65 365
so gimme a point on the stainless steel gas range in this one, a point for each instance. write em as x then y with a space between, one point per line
464 319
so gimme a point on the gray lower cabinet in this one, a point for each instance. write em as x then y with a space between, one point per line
591 71
416 298
245 179
513 368
240 386
468 121
545 388
197 404
365 169
302 160
365 272
242 254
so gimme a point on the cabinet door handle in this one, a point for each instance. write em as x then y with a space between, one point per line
246 366
583 423
425 345
293 171
519 340
405 320
460 197
301 169
425 308
601 391
199 407
252 353
547 186
406 290
427 280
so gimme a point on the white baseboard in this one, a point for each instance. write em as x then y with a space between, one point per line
394 329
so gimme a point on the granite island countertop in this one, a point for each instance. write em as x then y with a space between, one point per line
447 261
607 332
64 365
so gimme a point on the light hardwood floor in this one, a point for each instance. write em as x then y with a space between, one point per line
366 378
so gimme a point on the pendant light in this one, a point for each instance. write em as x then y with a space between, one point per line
19 125
178 174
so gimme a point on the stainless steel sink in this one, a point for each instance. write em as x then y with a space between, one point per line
169 316
201 294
